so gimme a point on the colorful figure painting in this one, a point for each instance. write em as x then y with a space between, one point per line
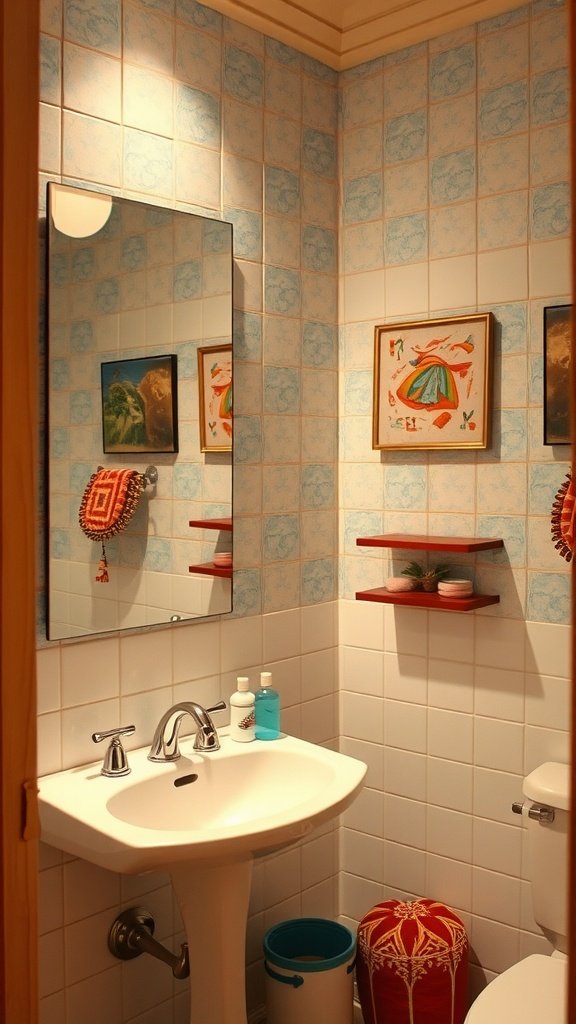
215 393
139 405
431 383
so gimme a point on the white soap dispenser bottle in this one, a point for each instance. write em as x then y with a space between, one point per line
242 712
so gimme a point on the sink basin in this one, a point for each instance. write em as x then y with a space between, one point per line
237 802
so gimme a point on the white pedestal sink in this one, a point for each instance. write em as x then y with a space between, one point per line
203 818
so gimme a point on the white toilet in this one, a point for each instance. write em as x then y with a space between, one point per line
534 990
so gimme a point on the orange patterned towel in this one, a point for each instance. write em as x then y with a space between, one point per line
563 513
107 505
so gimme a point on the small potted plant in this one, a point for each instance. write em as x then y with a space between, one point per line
426 579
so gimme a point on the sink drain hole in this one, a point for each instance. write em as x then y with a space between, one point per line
185 780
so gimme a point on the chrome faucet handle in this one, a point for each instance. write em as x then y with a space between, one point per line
207 737
115 760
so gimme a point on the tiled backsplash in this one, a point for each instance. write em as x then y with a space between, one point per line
453 164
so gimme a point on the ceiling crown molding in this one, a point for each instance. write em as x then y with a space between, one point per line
345 33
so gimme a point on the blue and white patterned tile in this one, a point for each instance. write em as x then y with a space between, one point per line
355 433
320 201
148 39
319 105
365 70
318 580
319 345
503 220
319 534
134 252
550 97
319 296
82 336
281 537
512 530
548 597
281 488
247 333
246 592
281 341
281 587
60 374
51 17
243 75
282 191
59 443
357 392
503 110
453 72
91 149
503 56
283 291
281 389
444 496
319 249
405 487
198 15
356 344
95 25
404 56
503 21
550 155
542 553
283 242
148 163
514 390
198 59
197 116
453 230
281 140
513 320
406 87
363 247
406 188
513 435
453 125
406 137
453 177
281 438
283 91
316 69
319 153
361 524
49 155
92 83
83 264
318 486
107 295
243 36
544 481
187 280
281 53
319 393
504 165
187 480
550 43
363 198
362 102
247 439
247 233
197 178
158 557
550 211
50 69
406 239
501 489
148 101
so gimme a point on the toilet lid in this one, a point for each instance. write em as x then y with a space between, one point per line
530 992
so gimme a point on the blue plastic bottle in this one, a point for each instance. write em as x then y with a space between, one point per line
267 709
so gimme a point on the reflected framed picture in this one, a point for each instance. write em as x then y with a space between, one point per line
557 370
215 398
139 405
432 383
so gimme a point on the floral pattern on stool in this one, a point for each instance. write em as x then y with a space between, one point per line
412 964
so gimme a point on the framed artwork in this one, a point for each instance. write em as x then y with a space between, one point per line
432 383
215 395
557 369
139 405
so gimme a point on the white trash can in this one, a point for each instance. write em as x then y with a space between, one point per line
309 965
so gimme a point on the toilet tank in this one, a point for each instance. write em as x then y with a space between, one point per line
549 786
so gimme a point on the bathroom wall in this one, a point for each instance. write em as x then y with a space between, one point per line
448 710
467 210
170 103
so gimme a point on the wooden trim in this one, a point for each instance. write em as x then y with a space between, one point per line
19 34
571 1011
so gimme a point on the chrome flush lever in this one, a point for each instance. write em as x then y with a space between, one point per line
115 760
538 812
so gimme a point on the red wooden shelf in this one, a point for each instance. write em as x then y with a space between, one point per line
225 523
421 599
209 569
422 542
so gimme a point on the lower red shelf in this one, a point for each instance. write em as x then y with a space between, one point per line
420 599
208 569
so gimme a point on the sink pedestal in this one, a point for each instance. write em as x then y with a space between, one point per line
213 901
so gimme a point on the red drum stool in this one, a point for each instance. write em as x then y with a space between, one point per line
412 964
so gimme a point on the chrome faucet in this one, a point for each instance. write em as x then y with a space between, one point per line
165 743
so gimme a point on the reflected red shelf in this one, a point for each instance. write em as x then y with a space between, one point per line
420 599
209 569
423 542
225 523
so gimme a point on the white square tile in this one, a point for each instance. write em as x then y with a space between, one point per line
496 945
405 725
88 890
48 679
195 651
319 673
450 735
548 700
406 290
405 821
51 962
449 833
281 635
145 661
494 794
366 813
320 720
79 723
372 754
496 897
550 264
240 642
50 900
362 717
548 649
361 854
545 745
450 684
500 643
405 773
503 275
498 744
450 881
499 693
362 671
86 953
92 676
361 624
453 281
405 868
319 859
319 625
451 637
450 784
405 630
363 296
405 678
358 895
498 847
49 753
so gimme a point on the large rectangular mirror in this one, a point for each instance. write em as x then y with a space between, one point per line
139 395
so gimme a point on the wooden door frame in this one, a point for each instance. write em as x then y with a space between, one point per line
19 108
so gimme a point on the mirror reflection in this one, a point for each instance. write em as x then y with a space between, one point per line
139 395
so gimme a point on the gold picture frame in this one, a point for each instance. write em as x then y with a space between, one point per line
215 398
432 383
